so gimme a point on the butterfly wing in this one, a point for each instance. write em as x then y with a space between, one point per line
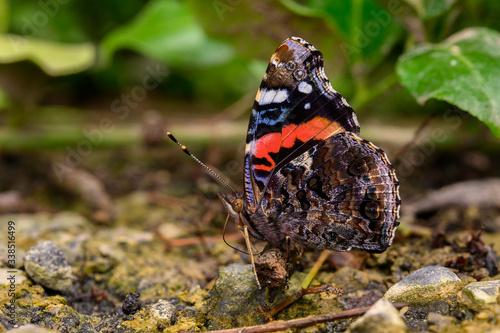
342 194
295 108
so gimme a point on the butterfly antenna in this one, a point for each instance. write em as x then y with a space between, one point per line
210 171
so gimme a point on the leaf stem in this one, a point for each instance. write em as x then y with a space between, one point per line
314 270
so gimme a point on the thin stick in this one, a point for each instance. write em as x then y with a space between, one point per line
303 322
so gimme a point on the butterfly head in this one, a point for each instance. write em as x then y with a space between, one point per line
233 203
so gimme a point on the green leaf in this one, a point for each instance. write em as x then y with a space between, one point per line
166 30
430 8
368 30
464 70
54 58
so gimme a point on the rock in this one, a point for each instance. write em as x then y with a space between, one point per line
234 298
424 285
476 295
164 311
47 266
31 329
381 318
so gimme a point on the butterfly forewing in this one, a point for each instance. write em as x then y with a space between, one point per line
295 108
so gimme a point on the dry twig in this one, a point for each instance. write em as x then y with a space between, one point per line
303 322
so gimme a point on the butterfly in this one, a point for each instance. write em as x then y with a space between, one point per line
309 180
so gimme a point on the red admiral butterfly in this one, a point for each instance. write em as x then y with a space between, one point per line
310 180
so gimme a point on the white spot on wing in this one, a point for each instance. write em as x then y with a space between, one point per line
305 87
273 96
307 106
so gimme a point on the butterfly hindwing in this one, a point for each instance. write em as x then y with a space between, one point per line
295 108
340 194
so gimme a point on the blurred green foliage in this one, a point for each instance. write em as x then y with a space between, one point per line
167 31
464 70
216 51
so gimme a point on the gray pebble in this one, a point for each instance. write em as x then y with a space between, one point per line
164 311
479 294
424 285
47 266
383 317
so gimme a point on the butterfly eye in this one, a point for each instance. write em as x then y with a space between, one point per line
237 205
290 65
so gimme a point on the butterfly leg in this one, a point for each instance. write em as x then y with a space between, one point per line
246 236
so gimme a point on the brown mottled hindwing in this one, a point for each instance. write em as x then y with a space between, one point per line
342 194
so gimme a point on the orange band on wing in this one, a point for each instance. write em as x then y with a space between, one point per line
318 128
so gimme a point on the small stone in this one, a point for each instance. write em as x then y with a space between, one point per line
132 303
47 266
424 285
479 294
164 311
382 317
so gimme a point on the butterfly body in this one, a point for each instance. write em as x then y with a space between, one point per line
310 180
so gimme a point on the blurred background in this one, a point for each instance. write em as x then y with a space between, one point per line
88 89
